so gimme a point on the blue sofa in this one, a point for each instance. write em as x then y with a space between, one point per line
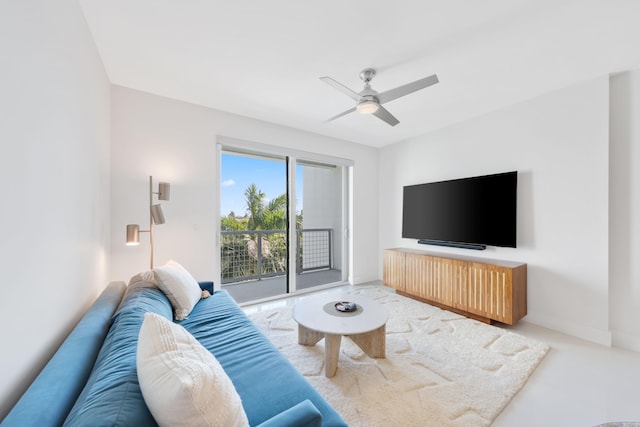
92 380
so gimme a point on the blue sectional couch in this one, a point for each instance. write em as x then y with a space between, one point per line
92 380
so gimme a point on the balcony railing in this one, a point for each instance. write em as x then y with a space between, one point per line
257 254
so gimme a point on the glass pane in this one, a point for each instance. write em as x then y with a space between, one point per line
319 224
253 236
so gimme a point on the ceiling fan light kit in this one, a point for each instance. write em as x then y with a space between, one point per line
369 101
368 106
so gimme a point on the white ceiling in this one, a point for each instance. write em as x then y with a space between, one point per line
262 59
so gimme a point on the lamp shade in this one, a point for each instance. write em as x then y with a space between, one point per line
157 215
133 234
164 191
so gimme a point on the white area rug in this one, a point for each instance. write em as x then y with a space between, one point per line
441 369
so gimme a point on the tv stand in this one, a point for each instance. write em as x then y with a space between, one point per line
483 289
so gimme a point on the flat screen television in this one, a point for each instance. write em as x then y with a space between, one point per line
469 212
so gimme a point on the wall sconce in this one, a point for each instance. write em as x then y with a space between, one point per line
156 216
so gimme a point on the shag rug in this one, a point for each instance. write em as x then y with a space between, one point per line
441 369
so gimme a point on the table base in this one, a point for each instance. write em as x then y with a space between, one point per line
372 343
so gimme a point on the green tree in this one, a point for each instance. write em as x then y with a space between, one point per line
258 216
255 206
232 223
275 214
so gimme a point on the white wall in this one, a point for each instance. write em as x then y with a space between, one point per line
624 236
558 143
54 169
175 141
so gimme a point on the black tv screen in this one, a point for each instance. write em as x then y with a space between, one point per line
479 210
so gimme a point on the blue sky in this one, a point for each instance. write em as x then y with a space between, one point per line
239 172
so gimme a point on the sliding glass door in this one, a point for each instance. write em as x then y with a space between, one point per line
282 224
320 224
253 226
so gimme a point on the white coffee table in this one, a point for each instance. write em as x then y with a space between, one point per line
318 318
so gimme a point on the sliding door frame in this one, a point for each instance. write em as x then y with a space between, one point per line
291 156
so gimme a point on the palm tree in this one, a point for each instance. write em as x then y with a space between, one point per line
275 214
259 216
275 218
255 206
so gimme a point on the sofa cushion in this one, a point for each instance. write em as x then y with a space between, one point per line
182 383
112 395
179 286
304 414
266 381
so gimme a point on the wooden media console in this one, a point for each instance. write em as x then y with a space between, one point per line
483 289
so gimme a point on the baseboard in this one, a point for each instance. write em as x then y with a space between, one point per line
626 341
598 336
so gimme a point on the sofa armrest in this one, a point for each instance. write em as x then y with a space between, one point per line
51 396
304 414
206 286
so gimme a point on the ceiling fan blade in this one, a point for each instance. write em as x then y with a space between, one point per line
344 113
384 115
403 90
342 88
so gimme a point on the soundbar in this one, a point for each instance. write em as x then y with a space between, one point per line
474 246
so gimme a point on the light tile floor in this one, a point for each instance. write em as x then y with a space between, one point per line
577 384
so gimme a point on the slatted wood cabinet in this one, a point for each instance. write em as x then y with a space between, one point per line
484 289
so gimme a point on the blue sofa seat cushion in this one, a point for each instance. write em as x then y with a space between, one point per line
112 395
255 366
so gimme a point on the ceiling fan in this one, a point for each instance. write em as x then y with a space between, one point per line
369 101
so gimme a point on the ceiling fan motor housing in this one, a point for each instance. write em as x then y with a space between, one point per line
368 102
367 75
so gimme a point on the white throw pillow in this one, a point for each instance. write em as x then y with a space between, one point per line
181 381
145 277
179 286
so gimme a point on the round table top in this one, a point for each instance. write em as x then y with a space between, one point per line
319 314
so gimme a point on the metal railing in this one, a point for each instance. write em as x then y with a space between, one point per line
258 254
